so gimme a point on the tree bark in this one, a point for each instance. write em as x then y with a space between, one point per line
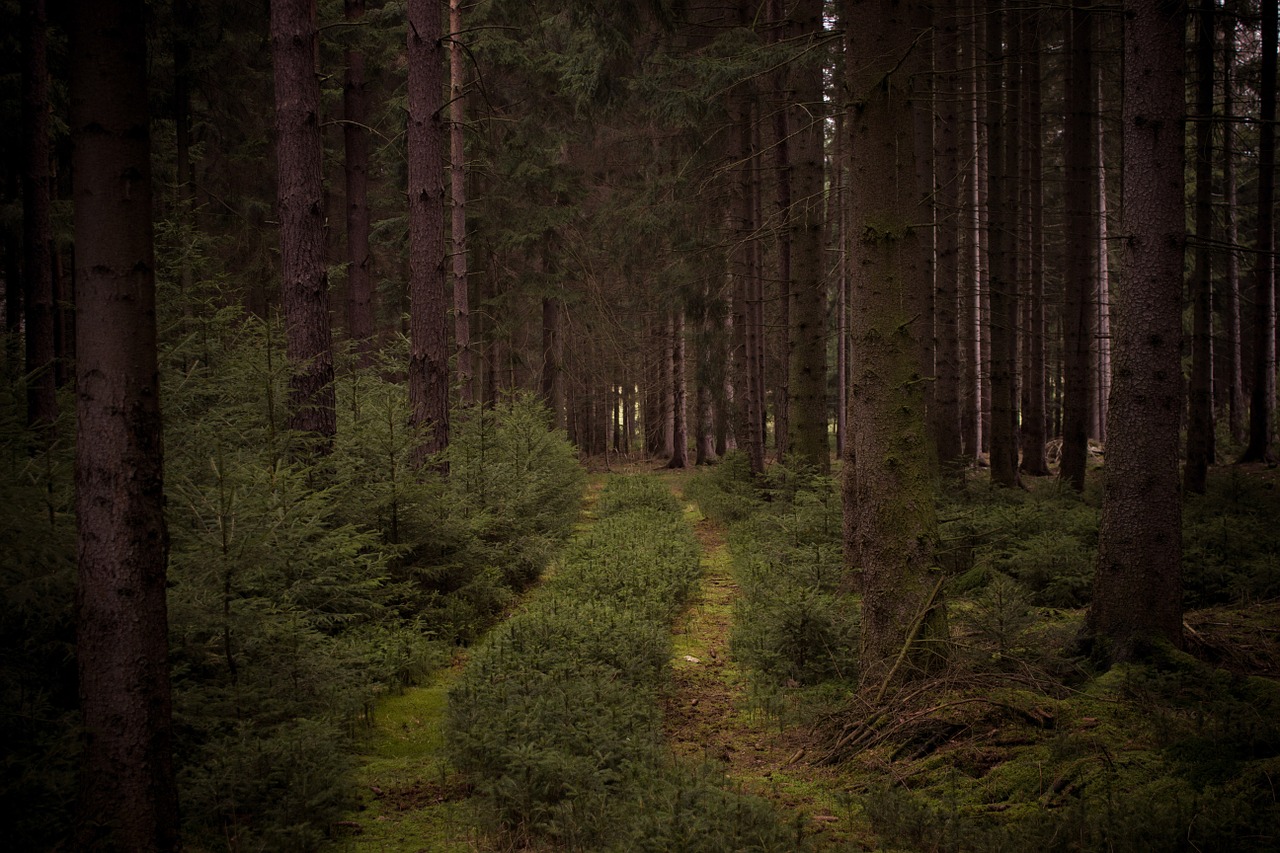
679 393
1033 413
973 192
888 487
1081 246
553 360
355 136
945 410
1238 408
305 285
1137 595
128 796
428 313
1200 437
37 235
1263 403
458 195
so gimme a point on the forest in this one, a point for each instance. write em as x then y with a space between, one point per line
640 425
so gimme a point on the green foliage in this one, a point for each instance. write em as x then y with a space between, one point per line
727 492
1231 543
556 718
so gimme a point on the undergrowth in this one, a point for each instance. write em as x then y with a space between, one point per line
556 719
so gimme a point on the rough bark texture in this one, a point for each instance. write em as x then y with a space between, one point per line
355 137
807 394
1231 235
458 198
1080 247
1200 438
128 797
945 410
38 301
1262 405
889 470
679 393
1002 226
300 196
747 406
428 317
972 435
1034 431
1137 594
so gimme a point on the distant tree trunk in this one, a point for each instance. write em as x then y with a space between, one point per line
1238 408
889 471
972 200
746 385
1262 406
458 193
428 314
807 419
1137 594
305 288
355 136
679 393
1102 326
553 360
945 412
37 236
1002 134
128 795
13 284
1200 438
1033 414
1081 245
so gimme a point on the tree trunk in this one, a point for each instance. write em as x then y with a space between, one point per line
889 473
1200 438
305 284
355 136
746 387
1137 595
128 795
972 200
945 412
1231 235
458 194
1033 414
807 386
37 235
1002 135
679 393
428 313
553 360
1262 406
1081 247
1102 287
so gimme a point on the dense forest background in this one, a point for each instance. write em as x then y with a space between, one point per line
320 317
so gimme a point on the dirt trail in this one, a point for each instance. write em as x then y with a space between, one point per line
710 715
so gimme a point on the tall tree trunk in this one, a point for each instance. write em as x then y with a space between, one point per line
1081 247
428 313
458 194
1102 287
679 393
1262 406
305 287
889 472
128 795
1137 594
972 202
553 360
1033 414
37 235
746 391
807 419
1238 408
945 411
355 136
1002 135
1200 438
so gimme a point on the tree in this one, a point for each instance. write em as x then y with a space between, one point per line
428 335
300 194
355 136
37 240
945 412
1263 403
1033 392
458 197
128 797
1200 438
889 509
1080 130
1137 594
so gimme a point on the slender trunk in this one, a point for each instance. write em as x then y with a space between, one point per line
428 330
1200 438
971 203
679 393
128 794
305 284
1231 235
355 136
553 360
37 235
1262 406
1033 415
458 195
945 412
1102 289
1137 593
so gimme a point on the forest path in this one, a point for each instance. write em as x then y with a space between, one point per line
712 716
411 800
